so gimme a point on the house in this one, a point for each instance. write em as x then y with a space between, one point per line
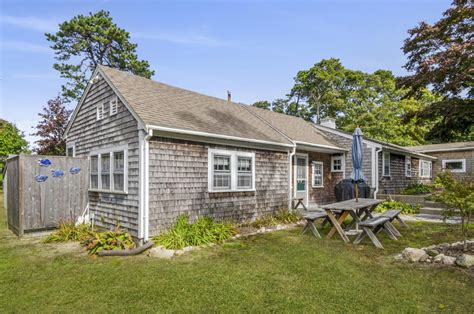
158 151
458 158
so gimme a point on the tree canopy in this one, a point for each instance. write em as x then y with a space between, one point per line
441 57
12 140
371 101
86 41
51 127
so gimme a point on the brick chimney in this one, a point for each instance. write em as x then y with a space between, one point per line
229 96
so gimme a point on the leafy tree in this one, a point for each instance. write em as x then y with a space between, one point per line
458 195
86 41
442 57
318 90
12 140
263 104
371 101
51 127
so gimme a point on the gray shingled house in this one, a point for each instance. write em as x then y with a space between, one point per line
157 151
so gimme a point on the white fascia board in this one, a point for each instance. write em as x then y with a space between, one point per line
445 150
325 148
216 136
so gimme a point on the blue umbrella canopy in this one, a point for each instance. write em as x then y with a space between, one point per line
357 154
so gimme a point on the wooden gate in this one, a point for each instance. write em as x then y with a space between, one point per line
35 202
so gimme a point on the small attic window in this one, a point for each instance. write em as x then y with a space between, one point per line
100 112
113 104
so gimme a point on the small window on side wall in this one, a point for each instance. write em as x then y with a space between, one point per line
231 171
337 163
386 164
318 179
425 169
113 104
407 166
94 172
100 112
455 165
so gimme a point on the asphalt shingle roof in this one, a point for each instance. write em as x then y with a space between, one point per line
441 147
163 105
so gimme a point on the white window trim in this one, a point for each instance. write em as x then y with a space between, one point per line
113 101
322 174
429 168
383 164
73 146
408 161
110 151
100 111
233 170
343 163
463 161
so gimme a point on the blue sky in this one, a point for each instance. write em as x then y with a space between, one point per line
253 48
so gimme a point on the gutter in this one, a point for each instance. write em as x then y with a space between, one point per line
213 135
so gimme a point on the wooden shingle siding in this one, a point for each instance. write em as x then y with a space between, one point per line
397 181
468 155
325 194
366 159
179 184
88 135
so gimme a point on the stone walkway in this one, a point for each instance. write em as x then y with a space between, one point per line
432 218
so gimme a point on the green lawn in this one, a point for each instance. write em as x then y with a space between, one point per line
282 271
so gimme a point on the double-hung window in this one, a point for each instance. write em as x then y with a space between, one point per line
425 169
407 166
337 163
386 164
108 170
318 174
231 171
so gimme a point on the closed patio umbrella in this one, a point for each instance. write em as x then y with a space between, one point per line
357 154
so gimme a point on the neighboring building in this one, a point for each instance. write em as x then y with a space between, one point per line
455 157
395 167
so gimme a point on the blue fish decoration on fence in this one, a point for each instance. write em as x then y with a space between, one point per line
57 173
41 178
74 170
44 162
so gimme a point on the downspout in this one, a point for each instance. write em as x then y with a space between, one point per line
147 186
291 154
144 137
377 151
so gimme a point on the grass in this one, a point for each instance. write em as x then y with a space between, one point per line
275 272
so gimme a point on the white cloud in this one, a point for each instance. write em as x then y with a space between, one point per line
29 22
184 39
24 46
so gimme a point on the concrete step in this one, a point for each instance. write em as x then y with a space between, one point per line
432 204
434 211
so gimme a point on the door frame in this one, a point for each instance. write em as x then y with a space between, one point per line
295 175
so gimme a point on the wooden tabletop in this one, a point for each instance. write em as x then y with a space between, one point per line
352 204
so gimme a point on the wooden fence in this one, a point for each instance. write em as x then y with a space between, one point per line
37 203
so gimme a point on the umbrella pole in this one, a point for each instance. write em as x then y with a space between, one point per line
357 192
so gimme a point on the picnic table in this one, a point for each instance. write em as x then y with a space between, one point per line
359 211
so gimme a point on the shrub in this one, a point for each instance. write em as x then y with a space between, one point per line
404 207
417 188
283 216
108 240
68 231
202 231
